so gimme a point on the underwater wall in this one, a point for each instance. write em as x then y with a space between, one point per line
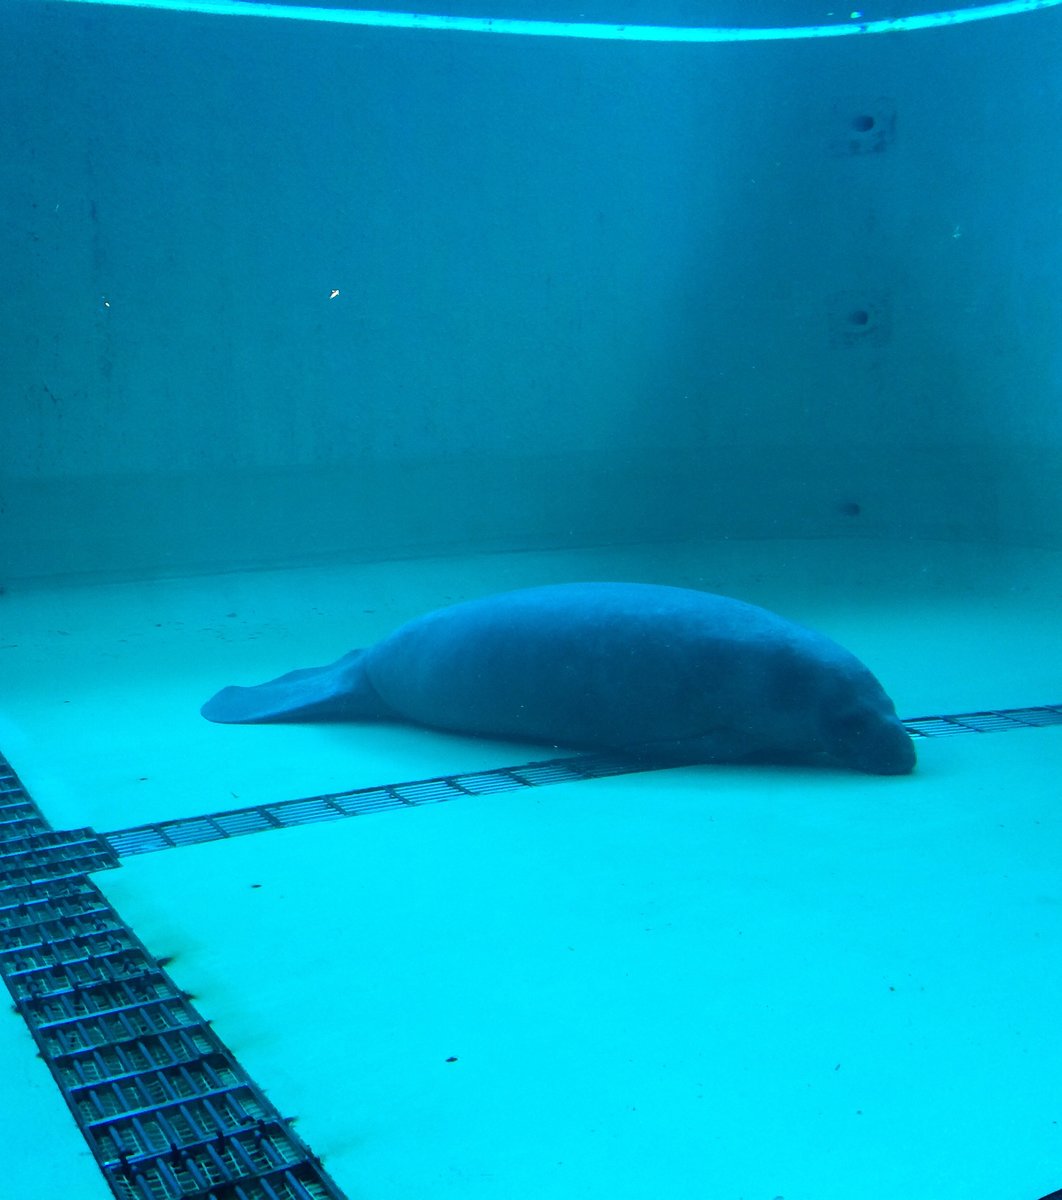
282 292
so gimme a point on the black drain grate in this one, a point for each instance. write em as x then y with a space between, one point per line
185 831
283 814
163 835
991 721
164 1107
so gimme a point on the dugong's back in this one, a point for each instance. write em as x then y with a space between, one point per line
611 665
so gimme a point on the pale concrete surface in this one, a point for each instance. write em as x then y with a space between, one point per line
695 983
45 1155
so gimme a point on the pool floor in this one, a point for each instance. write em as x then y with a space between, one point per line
735 982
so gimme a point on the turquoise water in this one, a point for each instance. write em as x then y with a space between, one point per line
314 326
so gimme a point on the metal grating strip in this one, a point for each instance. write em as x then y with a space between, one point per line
143 839
165 1108
989 721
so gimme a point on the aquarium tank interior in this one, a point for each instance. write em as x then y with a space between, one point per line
613 450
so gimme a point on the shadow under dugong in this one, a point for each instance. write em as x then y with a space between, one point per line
664 673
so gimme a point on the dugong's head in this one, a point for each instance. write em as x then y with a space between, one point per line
829 702
861 730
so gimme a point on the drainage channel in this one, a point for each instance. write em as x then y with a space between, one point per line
165 1108
187 831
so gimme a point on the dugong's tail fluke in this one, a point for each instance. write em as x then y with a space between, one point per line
339 692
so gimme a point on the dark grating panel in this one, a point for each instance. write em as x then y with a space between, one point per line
143 839
166 1110
991 721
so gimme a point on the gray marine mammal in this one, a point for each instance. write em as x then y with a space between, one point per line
662 672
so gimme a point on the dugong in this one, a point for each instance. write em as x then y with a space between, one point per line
664 673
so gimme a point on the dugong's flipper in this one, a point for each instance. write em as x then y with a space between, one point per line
340 691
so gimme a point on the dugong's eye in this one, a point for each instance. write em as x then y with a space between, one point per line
848 727
850 722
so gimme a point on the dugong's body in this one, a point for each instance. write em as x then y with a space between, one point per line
660 672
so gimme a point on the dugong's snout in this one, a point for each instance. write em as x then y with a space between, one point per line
894 754
875 743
